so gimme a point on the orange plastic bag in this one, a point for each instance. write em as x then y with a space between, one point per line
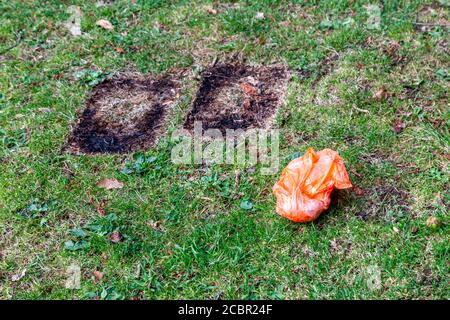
303 191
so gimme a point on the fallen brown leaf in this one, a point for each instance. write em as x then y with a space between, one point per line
370 41
119 50
248 89
115 237
98 276
211 10
381 94
393 48
393 51
358 191
399 126
109 184
105 24
101 208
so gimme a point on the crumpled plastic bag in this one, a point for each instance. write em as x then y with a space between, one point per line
303 191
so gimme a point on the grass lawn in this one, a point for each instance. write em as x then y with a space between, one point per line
378 96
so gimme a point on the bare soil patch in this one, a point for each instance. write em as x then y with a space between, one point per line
124 114
236 96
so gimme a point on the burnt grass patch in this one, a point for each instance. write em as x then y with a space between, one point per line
123 114
236 96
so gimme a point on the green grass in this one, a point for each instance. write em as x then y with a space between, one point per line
185 234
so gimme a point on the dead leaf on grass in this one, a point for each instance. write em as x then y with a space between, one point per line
101 208
248 89
381 94
98 276
211 10
399 126
393 48
105 24
115 237
393 51
110 184
358 191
